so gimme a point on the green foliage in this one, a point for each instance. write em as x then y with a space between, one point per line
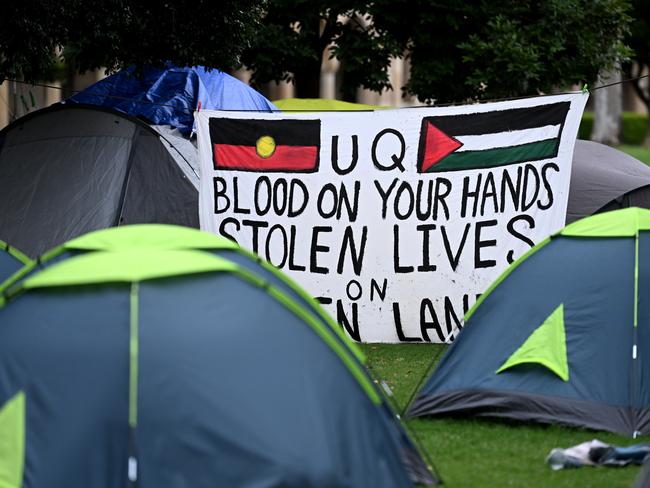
117 33
458 51
586 126
470 452
483 50
634 127
295 34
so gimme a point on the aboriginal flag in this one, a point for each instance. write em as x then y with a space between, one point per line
489 139
290 145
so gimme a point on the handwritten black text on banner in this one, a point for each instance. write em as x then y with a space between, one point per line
395 219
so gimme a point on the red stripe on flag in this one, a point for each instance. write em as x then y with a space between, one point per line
285 158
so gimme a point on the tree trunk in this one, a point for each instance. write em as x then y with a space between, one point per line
307 81
642 89
608 104
67 84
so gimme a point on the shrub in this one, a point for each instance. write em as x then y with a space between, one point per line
633 130
586 124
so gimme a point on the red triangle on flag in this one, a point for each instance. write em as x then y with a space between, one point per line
437 146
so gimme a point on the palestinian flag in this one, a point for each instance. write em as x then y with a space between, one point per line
265 145
489 139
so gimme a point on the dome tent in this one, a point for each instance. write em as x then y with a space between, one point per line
246 350
563 336
11 260
70 169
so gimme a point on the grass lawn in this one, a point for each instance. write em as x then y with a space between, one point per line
639 152
483 453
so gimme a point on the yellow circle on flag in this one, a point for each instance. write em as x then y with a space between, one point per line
265 146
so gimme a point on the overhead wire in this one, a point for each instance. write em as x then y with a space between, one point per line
450 104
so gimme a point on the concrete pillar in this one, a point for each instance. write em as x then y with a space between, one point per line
52 95
279 91
608 104
5 107
328 72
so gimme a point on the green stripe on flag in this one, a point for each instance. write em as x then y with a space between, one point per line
500 156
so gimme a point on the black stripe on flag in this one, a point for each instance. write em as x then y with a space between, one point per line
475 124
246 132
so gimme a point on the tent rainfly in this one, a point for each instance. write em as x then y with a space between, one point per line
170 96
164 312
563 336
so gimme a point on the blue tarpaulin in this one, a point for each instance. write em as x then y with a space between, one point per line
170 96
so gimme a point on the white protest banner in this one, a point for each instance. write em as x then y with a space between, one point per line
396 220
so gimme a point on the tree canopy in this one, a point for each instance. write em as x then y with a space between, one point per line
295 34
483 50
117 33
458 51
476 49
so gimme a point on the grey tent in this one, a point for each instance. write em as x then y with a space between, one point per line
70 169
603 179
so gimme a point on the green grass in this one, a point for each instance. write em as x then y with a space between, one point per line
634 127
639 152
484 453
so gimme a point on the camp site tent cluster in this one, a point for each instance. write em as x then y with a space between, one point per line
74 168
180 373
562 336
557 338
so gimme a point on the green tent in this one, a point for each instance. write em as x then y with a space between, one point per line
11 260
563 336
198 358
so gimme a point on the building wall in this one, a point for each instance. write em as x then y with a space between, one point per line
18 99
